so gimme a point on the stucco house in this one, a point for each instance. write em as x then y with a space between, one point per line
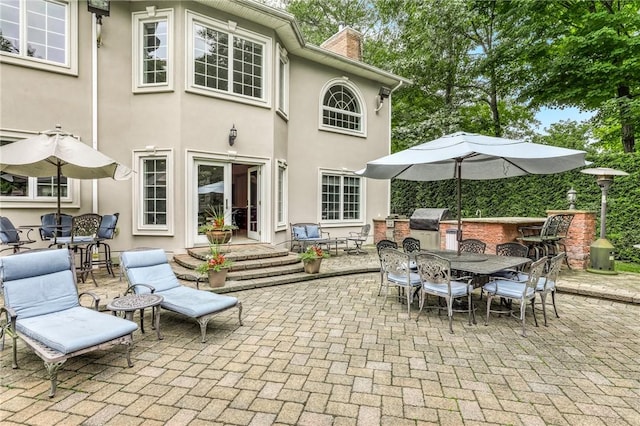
210 102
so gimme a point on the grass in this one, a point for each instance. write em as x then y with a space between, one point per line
627 267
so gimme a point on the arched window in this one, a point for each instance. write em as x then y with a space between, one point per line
342 109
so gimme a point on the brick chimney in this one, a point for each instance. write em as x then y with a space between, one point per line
346 42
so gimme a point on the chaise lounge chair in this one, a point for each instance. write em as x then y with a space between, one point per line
148 271
42 308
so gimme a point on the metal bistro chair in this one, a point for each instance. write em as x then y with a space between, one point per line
84 229
541 240
49 226
523 291
383 244
472 245
411 245
106 231
395 265
10 236
435 274
358 239
510 249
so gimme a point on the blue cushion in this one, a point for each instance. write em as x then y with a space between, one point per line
313 231
508 289
73 329
42 294
137 258
400 279
195 303
34 263
299 232
160 277
458 288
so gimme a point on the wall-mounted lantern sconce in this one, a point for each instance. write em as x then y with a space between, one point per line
100 8
233 134
383 94
572 196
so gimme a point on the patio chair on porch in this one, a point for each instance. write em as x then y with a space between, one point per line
358 239
148 271
42 308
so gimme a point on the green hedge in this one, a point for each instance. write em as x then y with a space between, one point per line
534 195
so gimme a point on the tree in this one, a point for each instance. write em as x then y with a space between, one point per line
580 53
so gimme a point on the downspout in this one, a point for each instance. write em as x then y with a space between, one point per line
399 85
94 103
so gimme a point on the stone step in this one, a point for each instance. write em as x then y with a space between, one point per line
189 274
242 252
242 263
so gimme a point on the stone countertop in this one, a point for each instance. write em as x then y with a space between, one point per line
507 220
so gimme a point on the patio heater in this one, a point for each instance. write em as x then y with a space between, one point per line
601 251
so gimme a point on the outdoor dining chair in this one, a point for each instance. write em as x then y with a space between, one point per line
382 244
411 245
397 273
510 249
84 229
106 231
471 245
522 291
10 236
436 280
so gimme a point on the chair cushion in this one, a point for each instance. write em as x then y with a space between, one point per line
34 263
137 258
508 289
401 279
73 329
313 231
299 232
195 303
75 239
458 288
42 294
551 285
160 277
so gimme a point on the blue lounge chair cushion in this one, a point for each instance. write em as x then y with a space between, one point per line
36 263
300 232
457 288
313 231
73 329
508 289
149 267
195 303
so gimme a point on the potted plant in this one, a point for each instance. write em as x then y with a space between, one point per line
215 267
216 230
312 258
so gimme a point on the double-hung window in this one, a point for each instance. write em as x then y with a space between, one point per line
281 208
283 82
341 197
153 193
227 61
153 51
40 34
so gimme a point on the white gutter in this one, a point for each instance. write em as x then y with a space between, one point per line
94 104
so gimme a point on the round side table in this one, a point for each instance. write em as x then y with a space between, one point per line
132 302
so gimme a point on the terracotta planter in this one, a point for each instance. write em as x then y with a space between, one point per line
312 266
217 279
219 236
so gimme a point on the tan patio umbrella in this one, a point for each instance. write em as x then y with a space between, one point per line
474 157
56 153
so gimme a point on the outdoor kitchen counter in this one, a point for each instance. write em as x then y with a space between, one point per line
491 230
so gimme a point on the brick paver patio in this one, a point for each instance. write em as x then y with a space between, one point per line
324 353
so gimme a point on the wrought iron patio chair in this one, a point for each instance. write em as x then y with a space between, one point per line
358 239
510 249
472 245
106 231
411 245
84 229
397 273
522 291
383 244
435 274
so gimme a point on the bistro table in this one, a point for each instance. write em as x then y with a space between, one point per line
132 302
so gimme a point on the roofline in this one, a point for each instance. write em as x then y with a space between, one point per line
287 28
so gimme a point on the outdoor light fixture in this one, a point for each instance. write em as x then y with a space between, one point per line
572 195
383 93
100 8
601 251
233 134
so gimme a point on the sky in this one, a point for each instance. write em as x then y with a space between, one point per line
548 116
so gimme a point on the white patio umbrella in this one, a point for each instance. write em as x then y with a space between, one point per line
55 153
212 188
474 157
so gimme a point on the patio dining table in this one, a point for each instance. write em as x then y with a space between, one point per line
480 264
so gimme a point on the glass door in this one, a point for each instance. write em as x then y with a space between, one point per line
253 203
214 191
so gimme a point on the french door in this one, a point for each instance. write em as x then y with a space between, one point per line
213 194
253 203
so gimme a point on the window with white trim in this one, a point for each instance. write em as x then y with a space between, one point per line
153 202
39 33
341 197
342 108
283 81
281 213
224 60
153 50
24 188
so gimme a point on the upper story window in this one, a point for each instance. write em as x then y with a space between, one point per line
39 34
283 81
153 51
342 108
227 61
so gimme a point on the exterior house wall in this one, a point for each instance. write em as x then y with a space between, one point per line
187 123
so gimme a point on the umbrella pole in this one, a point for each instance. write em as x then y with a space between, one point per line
459 201
58 216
